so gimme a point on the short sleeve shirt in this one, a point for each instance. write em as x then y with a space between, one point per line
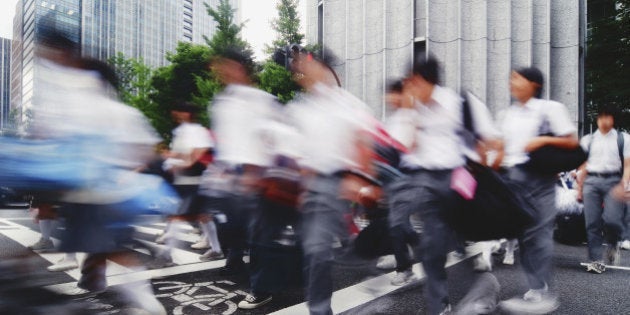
519 124
603 151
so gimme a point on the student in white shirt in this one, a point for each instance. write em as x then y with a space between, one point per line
522 125
334 138
606 168
440 149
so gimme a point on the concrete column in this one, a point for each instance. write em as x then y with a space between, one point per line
399 38
443 38
565 40
354 48
335 35
311 21
541 39
521 33
474 47
420 18
499 49
374 52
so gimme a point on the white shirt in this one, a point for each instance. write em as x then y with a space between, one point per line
402 126
603 156
186 138
330 121
521 123
240 116
439 142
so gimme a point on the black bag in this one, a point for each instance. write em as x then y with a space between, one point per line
570 229
553 160
499 209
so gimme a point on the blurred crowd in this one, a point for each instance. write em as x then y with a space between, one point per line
285 184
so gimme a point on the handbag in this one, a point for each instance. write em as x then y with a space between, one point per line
498 209
489 206
553 160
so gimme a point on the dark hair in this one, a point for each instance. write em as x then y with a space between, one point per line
428 69
395 87
187 107
236 54
609 110
106 71
534 75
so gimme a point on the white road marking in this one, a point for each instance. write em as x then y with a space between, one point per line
373 288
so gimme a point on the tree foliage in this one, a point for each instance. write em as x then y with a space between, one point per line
608 57
286 25
277 80
180 82
228 34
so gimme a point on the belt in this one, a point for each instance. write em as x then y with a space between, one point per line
604 175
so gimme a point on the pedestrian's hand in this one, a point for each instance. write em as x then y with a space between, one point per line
579 195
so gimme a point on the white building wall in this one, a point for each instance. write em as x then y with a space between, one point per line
478 43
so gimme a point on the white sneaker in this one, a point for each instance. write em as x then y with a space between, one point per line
63 264
625 245
404 278
533 302
386 262
202 244
161 239
483 262
508 259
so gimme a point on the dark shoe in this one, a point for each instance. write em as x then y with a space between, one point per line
161 262
211 255
232 270
252 301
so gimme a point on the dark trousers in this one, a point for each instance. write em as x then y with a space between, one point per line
322 221
602 223
238 209
275 255
400 198
430 195
536 243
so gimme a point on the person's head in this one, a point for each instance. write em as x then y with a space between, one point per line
309 69
526 83
56 45
424 76
396 95
184 112
232 66
606 118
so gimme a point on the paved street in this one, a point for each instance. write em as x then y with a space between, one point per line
194 287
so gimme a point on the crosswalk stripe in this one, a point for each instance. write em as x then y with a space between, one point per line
155 232
371 289
25 237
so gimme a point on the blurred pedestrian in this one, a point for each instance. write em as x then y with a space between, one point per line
522 125
439 150
608 165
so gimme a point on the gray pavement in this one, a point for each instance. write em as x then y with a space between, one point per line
199 288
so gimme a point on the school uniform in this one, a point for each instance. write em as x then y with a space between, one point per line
604 170
519 125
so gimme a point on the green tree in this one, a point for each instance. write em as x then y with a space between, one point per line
277 80
227 33
135 89
286 25
184 80
608 58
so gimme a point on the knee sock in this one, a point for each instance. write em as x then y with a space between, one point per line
173 236
210 230
46 227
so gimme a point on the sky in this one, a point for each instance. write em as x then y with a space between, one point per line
257 13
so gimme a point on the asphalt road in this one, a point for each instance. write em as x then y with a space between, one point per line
194 287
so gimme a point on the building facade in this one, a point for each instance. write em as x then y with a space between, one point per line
144 29
33 16
141 29
5 82
478 42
